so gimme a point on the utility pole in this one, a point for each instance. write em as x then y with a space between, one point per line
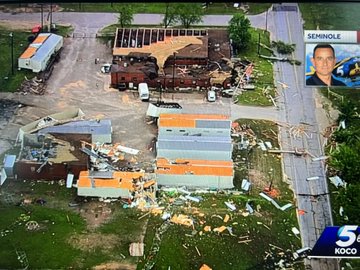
174 70
266 20
258 48
12 52
50 16
42 17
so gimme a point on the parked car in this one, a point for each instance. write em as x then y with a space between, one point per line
122 86
105 68
211 96
227 93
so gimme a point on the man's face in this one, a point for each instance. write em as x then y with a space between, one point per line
323 61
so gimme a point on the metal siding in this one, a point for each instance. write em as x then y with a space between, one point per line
195 146
225 124
202 155
213 139
204 132
103 192
219 182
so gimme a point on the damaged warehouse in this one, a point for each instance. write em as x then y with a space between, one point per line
195 151
171 58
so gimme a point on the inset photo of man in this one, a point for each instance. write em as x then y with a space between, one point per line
332 65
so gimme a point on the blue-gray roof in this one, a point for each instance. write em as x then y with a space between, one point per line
195 145
226 124
47 46
166 138
81 127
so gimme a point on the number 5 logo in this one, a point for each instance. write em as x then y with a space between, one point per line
347 235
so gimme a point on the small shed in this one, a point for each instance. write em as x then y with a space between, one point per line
37 56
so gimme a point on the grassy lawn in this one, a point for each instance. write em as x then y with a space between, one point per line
263 70
159 8
337 16
11 82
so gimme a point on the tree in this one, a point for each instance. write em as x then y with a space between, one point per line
170 15
126 15
189 14
347 111
346 159
239 33
349 199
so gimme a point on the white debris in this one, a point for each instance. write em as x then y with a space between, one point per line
295 231
231 206
320 158
337 181
245 185
127 150
268 145
312 178
262 146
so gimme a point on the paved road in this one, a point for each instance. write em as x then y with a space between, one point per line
85 21
297 105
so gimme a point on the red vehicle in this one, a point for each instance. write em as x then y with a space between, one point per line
36 29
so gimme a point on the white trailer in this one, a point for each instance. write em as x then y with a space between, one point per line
144 91
37 56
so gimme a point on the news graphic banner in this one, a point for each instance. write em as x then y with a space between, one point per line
346 44
338 242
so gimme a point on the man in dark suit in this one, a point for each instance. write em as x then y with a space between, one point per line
323 61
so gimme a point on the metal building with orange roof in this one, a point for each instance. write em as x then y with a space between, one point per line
37 56
195 173
107 184
194 124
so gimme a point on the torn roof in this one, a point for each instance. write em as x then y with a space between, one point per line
81 127
116 179
161 43
194 121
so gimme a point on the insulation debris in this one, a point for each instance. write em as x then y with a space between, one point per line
182 220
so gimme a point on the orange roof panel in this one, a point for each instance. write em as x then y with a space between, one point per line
29 52
119 180
176 123
195 167
193 116
40 39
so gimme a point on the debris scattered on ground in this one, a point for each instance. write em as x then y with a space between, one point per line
136 249
337 181
231 206
32 86
182 220
205 267
282 208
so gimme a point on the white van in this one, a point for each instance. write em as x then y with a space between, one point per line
144 91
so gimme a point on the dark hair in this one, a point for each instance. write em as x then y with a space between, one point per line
323 46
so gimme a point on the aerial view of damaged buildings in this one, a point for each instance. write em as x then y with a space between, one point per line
191 150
